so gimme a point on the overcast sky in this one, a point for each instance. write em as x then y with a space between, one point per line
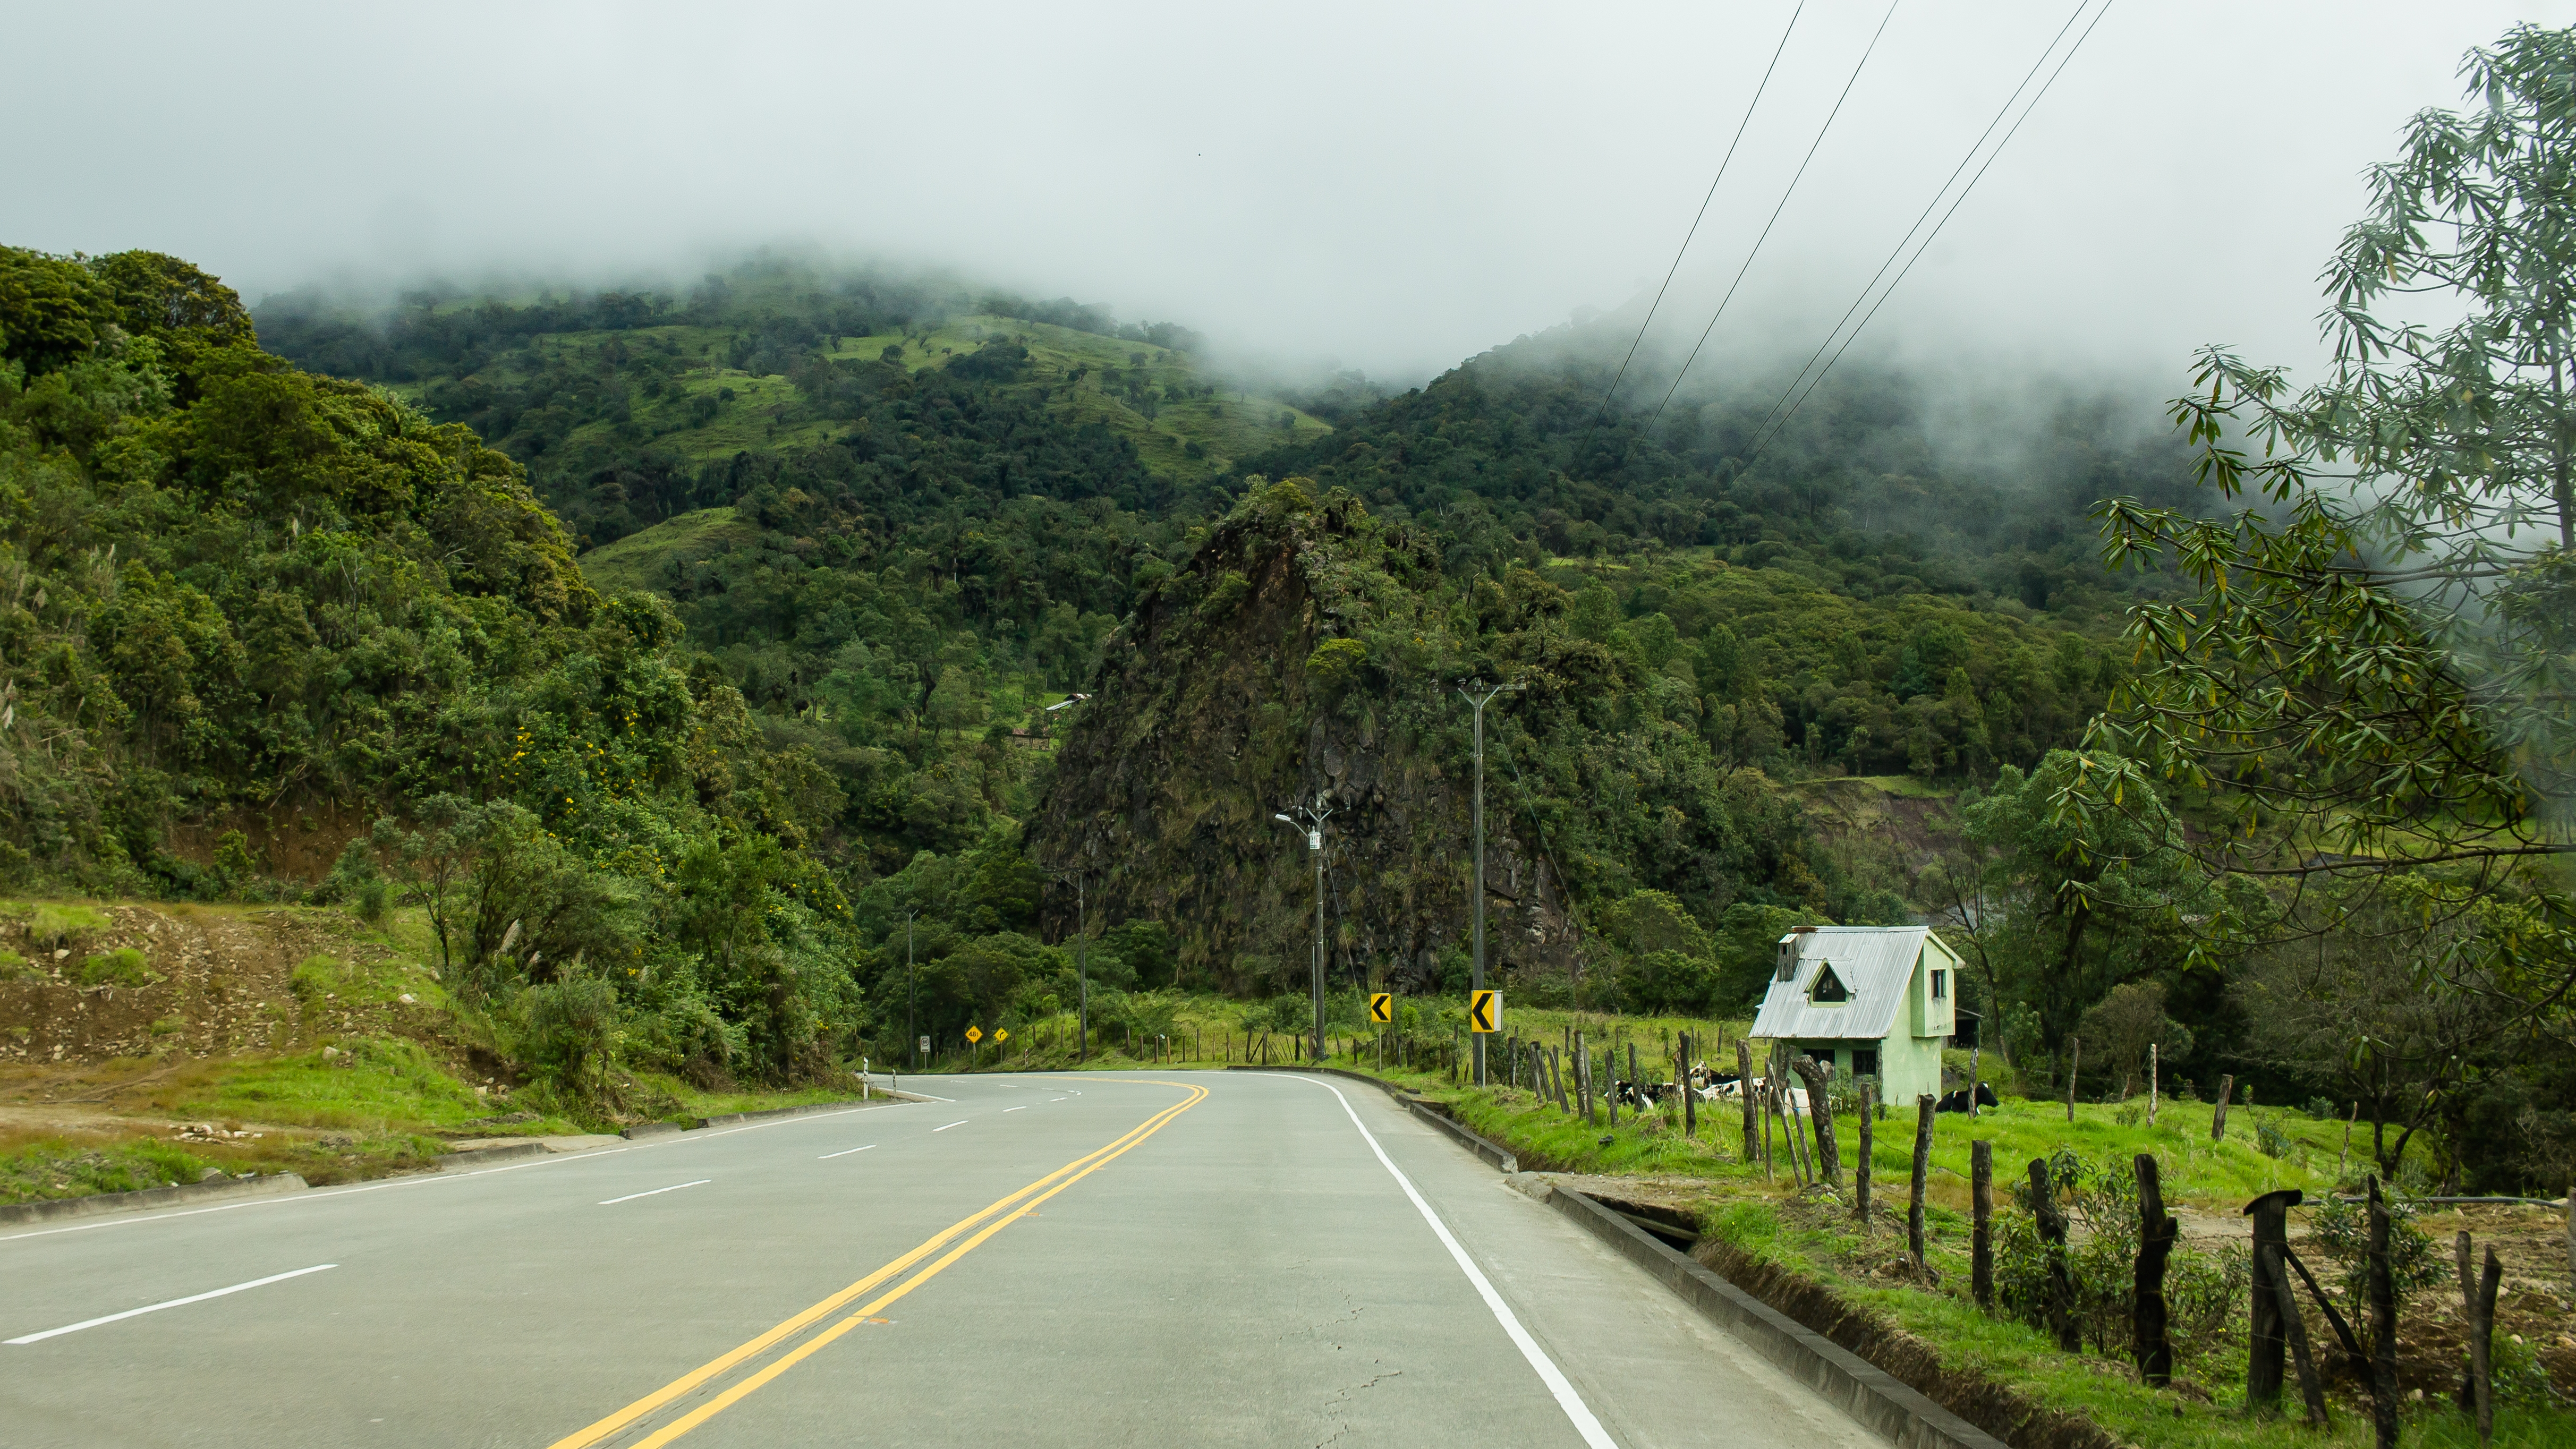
1394 185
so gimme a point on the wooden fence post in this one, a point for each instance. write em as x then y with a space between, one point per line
1744 1094
1923 1107
1816 1075
1981 1240
1583 1079
2383 1325
2477 1305
1860 1162
2151 1084
2271 1215
2156 1234
1690 1099
2218 1114
2052 1240
2074 1068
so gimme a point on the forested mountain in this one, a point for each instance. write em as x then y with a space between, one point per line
265 632
900 517
838 539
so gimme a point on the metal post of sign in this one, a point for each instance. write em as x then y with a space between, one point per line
1476 977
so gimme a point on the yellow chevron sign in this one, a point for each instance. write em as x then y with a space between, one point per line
1382 1007
1484 1011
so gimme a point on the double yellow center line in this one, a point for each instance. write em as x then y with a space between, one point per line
975 1227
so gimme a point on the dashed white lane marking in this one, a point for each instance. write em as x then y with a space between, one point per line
958 1123
1021 1108
844 1152
173 1303
656 1192
1055 1099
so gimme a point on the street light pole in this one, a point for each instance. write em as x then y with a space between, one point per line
911 996
1316 814
1476 979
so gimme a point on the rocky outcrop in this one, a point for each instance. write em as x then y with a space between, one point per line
1296 658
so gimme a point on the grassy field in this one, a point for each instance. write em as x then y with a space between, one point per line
1075 370
635 561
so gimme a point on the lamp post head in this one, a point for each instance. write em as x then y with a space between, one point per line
1282 819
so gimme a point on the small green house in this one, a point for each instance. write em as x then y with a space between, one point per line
1876 1001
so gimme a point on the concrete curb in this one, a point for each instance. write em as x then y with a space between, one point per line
643 1130
150 1197
728 1119
1872 1396
1492 1152
507 1152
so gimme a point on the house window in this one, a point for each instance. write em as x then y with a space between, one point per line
1940 986
1828 987
1864 1062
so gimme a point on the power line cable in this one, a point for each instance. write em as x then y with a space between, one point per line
1929 207
1613 390
1763 443
1792 190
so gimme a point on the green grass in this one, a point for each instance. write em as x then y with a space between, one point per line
54 1167
55 925
635 561
375 1084
124 966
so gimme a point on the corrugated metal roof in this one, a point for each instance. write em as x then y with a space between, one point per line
1874 963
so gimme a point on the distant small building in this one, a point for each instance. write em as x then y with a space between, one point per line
1876 1001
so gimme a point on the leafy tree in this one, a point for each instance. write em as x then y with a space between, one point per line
2371 674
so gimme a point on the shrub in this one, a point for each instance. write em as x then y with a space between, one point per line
14 967
569 1032
124 966
56 927
2203 1290
315 977
2341 1231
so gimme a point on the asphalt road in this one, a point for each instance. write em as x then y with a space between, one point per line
1178 1258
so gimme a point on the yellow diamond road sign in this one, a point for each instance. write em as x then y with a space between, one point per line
1484 1011
1382 1007
1001 1035
974 1034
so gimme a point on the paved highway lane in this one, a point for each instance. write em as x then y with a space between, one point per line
1146 1259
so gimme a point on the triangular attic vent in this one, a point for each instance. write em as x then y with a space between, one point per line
1828 986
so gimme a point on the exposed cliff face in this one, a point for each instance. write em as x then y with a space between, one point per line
1280 667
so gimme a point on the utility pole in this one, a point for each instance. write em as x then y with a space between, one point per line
1316 814
1467 691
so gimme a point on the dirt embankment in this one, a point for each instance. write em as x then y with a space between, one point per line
209 981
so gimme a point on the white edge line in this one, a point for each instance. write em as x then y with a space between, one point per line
960 1122
431 1179
828 1156
656 1192
1567 1398
173 1303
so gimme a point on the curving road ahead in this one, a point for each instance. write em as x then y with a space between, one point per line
1177 1258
